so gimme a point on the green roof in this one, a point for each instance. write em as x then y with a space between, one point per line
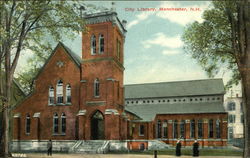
175 89
147 112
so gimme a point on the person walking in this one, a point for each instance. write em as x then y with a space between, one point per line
49 146
178 148
196 149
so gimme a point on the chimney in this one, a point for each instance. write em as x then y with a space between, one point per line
113 6
124 23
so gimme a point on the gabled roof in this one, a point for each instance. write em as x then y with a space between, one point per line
175 89
148 111
74 57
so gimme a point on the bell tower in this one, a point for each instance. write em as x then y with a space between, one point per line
102 75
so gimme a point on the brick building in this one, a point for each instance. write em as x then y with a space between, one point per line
76 99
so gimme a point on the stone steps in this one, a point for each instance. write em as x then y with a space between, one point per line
91 146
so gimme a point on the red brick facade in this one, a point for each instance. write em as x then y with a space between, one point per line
89 111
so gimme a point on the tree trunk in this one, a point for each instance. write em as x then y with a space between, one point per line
7 97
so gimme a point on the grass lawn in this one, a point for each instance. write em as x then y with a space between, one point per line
203 152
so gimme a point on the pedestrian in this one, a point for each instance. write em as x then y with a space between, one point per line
178 148
196 149
49 146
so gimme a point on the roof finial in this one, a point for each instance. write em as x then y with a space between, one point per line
113 6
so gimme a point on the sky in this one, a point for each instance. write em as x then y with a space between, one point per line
153 50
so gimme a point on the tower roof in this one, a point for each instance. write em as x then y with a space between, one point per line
105 16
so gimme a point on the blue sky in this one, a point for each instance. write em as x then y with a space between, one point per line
153 47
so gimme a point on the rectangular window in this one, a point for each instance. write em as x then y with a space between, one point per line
141 130
200 129
182 129
241 107
211 128
165 129
192 129
175 129
118 47
218 126
242 118
231 118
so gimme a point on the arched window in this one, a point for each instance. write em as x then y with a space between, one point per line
159 129
141 130
97 88
182 129
175 129
118 48
231 106
218 128
68 93
192 128
200 129
93 45
211 128
27 126
55 123
59 91
63 123
165 129
101 44
51 95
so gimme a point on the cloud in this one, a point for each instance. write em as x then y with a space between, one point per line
160 39
170 52
138 19
181 17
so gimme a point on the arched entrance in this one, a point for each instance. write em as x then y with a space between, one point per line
97 126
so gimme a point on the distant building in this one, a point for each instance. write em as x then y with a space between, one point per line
233 106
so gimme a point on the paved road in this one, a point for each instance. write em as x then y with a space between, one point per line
108 156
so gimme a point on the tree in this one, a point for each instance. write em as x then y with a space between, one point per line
222 40
25 25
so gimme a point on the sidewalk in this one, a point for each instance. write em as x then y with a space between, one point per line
109 156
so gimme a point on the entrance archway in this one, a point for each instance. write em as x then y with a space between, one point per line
97 126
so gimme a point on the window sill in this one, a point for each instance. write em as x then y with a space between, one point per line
60 104
141 135
58 134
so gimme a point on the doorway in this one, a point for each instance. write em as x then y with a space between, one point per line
97 126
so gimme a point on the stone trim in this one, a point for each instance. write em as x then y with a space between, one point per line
111 79
83 81
37 115
82 112
17 115
95 103
187 121
110 111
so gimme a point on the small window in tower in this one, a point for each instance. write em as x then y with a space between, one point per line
101 44
96 88
118 47
93 45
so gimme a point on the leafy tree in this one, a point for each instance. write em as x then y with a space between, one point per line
25 25
222 40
